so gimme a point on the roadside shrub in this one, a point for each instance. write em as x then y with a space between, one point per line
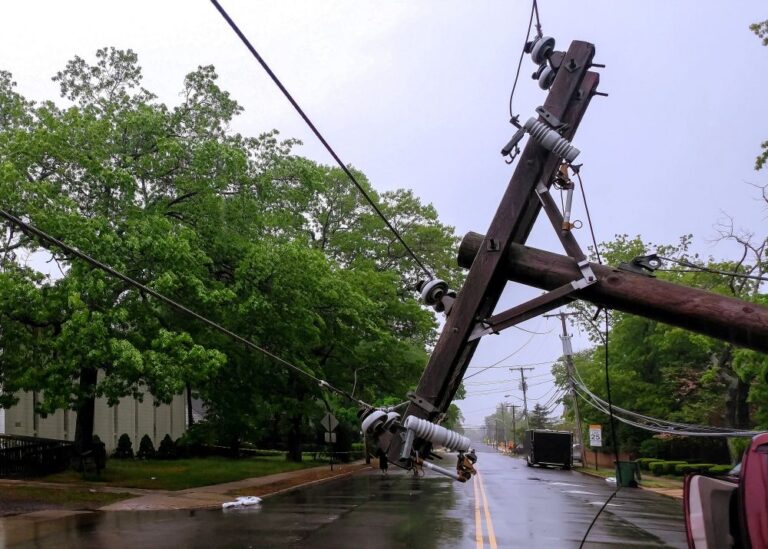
146 448
196 440
643 462
656 467
686 468
669 466
719 469
167 449
738 446
124 448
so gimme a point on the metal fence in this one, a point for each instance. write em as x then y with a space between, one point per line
29 456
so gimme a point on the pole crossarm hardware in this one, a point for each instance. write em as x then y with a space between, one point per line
471 311
742 323
500 256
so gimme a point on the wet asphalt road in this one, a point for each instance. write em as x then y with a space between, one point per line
507 505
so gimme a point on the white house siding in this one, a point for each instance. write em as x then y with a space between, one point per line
129 416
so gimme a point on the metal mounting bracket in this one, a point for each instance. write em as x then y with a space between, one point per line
642 264
422 403
530 309
551 119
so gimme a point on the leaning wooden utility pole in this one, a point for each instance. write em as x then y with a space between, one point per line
566 103
742 323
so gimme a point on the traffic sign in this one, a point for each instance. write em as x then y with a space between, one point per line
329 421
330 438
595 435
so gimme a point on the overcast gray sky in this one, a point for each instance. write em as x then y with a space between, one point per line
415 95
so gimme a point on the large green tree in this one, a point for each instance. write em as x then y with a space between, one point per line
276 247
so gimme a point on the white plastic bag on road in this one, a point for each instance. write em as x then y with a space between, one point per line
243 501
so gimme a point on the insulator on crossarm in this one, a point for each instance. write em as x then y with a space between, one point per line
551 140
437 435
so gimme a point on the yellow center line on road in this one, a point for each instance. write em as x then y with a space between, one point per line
478 518
488 521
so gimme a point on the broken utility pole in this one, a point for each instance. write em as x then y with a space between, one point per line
739 322
566 103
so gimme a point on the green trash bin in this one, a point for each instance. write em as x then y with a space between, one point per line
627 474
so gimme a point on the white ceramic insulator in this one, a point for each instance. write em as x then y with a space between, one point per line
551 140
392 417
374 419
439 436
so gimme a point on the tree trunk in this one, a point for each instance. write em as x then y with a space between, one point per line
190 417
86 407
294 439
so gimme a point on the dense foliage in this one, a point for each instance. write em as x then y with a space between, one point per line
275 247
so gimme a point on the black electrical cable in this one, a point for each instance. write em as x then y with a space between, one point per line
319 136
503 359
703 269
45 237
538 21
589 218
522 54
613 434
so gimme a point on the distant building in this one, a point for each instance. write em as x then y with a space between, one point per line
128 416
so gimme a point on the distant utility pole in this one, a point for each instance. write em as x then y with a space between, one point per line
568 354
504 424
524 387
514 427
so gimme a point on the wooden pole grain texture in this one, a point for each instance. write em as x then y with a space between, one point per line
739 322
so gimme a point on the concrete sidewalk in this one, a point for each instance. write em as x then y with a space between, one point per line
205 497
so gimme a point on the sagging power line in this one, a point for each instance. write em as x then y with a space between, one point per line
44 237
320 137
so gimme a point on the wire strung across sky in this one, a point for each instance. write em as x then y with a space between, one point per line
50 240
657 425
534 11
693 268
497 365
319 136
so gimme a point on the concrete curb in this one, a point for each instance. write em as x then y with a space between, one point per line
211 497
676 493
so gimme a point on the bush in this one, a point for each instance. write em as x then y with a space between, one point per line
124 448
686 468
196 440
146 448
669 466
738 446
719 469
656 467
643 462
167 449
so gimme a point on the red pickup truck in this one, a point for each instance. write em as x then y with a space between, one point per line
730 511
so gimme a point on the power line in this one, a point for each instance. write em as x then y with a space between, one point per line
503 359
659 425
317 133
703 269
534 11
45 237
589 217
495 365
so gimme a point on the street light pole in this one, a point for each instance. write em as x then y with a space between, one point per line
570 370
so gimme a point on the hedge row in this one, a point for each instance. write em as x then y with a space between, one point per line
661 467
